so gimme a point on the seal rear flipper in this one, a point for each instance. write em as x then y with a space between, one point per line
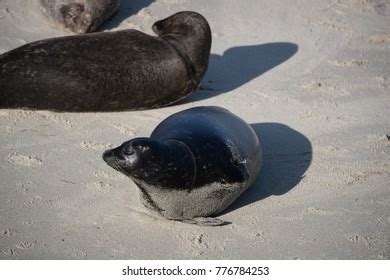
206 221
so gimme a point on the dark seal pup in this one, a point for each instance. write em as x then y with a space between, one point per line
79 16
194 165
110 71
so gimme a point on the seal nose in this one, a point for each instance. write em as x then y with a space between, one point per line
113 155
107 155
157 27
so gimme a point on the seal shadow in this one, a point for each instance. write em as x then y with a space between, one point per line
127 8
287 155
239 65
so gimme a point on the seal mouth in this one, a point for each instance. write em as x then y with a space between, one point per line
115 160
110 157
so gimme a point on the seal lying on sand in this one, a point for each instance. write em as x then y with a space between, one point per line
194 165
110 71
79 16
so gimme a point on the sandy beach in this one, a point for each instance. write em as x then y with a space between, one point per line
311 77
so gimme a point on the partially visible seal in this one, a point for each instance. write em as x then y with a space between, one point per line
109 71
194 165
79 16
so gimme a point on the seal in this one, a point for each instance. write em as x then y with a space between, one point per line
195 164
110 71
79 16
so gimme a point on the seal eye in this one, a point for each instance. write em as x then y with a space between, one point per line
128 152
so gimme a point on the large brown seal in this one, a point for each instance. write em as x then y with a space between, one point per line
110 71
79 16
194 164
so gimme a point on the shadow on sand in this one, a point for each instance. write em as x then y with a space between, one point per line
126 9
287 155
239 65
226 72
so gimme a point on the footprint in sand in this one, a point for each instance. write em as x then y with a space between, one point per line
4 13
101 187
379 7
379 39
56 118
107 175
95 146
24 160
128 131
314 86
23 245
11 252
346 63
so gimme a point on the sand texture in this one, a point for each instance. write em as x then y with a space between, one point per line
313 80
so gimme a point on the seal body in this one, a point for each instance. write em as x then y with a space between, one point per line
79 16
110 71
194 165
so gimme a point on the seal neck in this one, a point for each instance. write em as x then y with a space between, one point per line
189 64
193 50
190 35
165 164
190 154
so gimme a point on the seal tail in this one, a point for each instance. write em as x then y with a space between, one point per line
206 221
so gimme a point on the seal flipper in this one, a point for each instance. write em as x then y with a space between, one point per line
206 221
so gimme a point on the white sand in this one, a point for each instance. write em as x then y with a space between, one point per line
312 77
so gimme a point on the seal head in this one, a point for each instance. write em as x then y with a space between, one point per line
155 163
190 34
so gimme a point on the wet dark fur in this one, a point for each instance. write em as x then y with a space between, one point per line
111 71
